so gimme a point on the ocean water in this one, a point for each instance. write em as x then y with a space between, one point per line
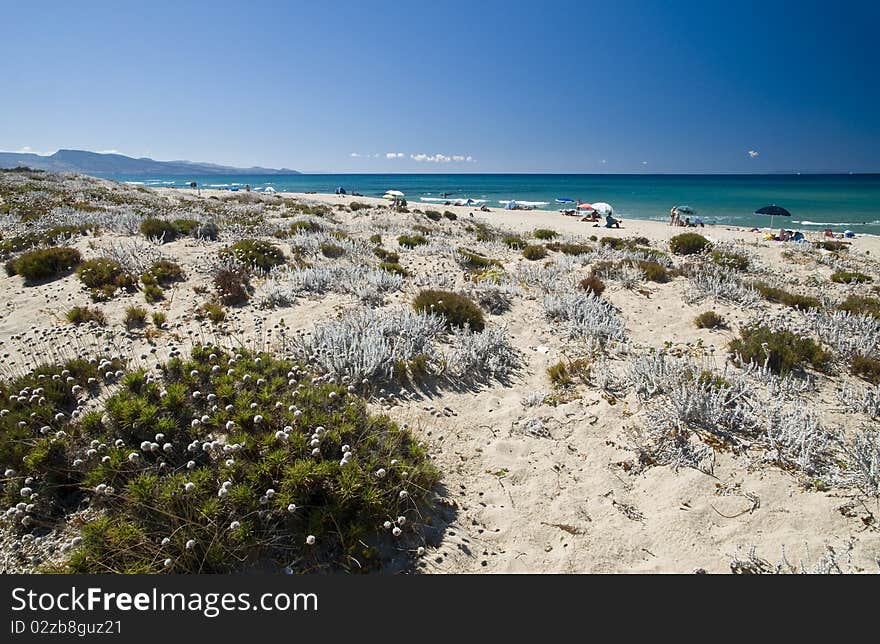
816 202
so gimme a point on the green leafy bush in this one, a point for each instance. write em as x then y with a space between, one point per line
731 260
534 252
44 263
332 250
653 271
783 351
433 215
185 227
544 234
156 228
84 314
861 305
213 311
780 296
135 317
846 277
833 246
233 283
411 241
475 261
867 368
451 216
709 320
688 244
270 497
376 239
569 249
103 276
255 252
457 310
393 267
354 206
514 242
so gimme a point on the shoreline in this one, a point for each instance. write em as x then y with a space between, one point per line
524 220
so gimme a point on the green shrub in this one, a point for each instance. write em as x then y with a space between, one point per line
474 261
103 276
393 267
833 246
153 293
281 491
617 243
185 227
213 311
135 316
376 239
653 271
785 351
165 272
514 242
422 229
845 277
156 228
731 260
411 241
688 244
780 296
484 233
433 215
861 305
84 314
305 226
255 252
451 216
354 206
709 320
569 249
233 283
592 284
564 374
867 368
46 237
456 309
332 250
386 255
44 263
544 234
534 252
159 319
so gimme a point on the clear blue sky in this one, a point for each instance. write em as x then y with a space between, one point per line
673 86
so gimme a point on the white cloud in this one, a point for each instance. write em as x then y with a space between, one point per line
603 161
644 163
108 151
753 154
441 158
355 155
26 149
394 155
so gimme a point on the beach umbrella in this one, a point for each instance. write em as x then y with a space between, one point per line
388 196
394 193
564 200
585 206
269 189
603 208
685 210
773 211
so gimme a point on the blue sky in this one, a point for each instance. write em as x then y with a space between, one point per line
451 86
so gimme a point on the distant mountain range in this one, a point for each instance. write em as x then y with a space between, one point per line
95 163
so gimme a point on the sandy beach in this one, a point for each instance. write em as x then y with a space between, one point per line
538 475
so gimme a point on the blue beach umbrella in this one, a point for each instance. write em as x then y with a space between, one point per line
773 211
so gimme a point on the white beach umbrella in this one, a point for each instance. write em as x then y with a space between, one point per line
394 193
603 208
268 189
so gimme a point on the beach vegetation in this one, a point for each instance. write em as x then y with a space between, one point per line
782 351
544 234
781 296
709 320
332 251
376 239
474 261
861 305
393 267
103 276
411 241
850 277
866 367
566 374
653 271
831 245
354 206
451 216
135 317
688 244
214 311
85 314
49 237
44 263
257 253
155 228
185 227
592 284
232 282
569 248
386 255
731 260
534 252
456 310
433 215
159 319
514 242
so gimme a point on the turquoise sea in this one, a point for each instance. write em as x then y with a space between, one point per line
816 201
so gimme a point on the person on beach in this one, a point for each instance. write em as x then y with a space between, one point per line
611 222
687 222
672 216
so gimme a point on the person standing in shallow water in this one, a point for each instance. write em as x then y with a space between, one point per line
672 216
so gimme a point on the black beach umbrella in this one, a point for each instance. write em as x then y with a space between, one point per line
773 211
